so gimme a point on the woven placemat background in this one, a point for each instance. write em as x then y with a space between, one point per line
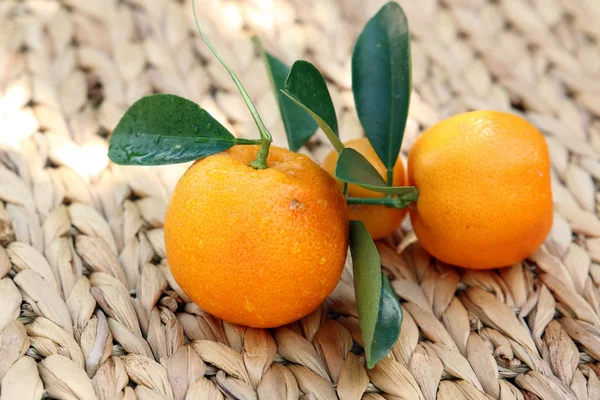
88 306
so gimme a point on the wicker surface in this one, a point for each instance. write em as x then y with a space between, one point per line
89 309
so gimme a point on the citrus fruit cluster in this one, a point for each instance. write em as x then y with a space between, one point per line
259 235
239 238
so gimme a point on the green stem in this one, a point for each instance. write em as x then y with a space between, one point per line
260 162
379 201
264 133
390 177
245 141
388 201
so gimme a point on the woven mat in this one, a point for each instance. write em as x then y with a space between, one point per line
89 308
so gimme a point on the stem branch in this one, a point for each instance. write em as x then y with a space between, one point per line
379 201
388 201
264 133
247 141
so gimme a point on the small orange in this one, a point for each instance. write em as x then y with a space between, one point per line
485 198
380 221
260 248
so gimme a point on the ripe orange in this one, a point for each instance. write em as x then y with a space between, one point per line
485 198
260 248
380 221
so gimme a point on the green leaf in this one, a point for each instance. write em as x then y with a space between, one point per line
299 126
367 282
379 312
381 81
166 129
306 86
353 167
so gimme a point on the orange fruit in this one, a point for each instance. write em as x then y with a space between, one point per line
485 198
260 248
379 220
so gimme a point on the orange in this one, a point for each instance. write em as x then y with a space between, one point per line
485 199
260 248
379 220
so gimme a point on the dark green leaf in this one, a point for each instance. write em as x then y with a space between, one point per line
379 312
353 167
389 319
305 86
299 126
166 129
381 80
